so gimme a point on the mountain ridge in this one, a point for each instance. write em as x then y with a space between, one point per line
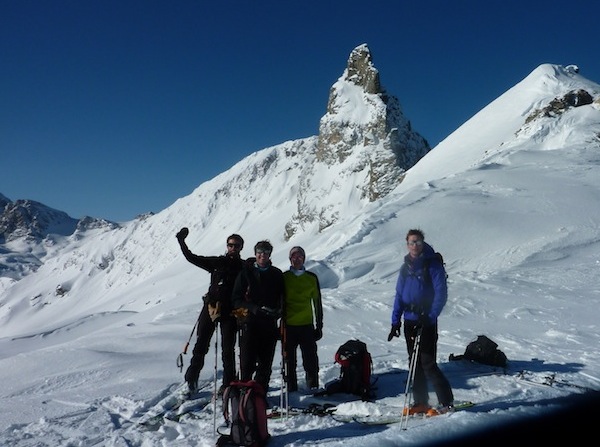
127 261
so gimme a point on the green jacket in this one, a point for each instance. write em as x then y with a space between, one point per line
302 299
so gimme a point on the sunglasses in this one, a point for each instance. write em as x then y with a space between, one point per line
234 245
413 243
263 252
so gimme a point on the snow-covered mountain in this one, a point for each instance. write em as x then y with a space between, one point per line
364 147
510 198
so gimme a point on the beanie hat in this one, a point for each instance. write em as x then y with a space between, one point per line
297 249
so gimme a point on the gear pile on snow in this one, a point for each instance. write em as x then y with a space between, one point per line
484 351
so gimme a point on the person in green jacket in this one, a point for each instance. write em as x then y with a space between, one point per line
303 312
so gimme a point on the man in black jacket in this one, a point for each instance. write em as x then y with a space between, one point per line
258 296
217 307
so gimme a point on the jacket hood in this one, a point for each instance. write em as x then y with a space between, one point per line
428 250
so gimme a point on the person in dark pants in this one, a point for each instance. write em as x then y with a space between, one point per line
421 294
216 308
258 295
303 317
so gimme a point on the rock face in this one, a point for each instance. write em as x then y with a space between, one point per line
364 140
558 106
28 218
31 232
361 114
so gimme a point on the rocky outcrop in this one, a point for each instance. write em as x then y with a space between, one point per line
364 122
360 113
560 105
27 218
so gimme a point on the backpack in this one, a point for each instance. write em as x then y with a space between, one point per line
245 411
485 351
356 368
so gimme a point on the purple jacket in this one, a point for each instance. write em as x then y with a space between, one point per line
418 293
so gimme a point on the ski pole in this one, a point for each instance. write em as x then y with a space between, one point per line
241 339
215 379
284 397
187 345
410 380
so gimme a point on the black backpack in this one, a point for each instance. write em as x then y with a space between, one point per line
356 370
245 411
485 351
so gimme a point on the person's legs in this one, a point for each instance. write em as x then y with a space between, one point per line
228 336
248 352
204 331
291 348
266 341
434 374
419 388
310 359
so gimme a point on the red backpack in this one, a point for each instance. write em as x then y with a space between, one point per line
245 411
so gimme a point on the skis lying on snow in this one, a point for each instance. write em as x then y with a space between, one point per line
396 417
175 405
549 380
542 378
322 410
312 409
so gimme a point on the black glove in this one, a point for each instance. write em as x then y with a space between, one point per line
182 234
395 331
318 334
269 312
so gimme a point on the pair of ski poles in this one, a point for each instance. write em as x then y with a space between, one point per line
284 395
411 380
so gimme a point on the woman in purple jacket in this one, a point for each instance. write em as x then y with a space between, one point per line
421 294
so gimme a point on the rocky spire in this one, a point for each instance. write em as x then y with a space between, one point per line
361 114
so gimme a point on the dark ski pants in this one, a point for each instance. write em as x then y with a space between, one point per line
427 369
257 350
205 331
303 337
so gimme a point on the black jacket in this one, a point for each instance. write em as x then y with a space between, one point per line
223 272
255 287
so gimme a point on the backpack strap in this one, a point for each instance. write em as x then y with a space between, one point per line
243 404
367 374
226 404
426 263
404 270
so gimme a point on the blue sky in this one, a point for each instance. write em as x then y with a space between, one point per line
115 108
